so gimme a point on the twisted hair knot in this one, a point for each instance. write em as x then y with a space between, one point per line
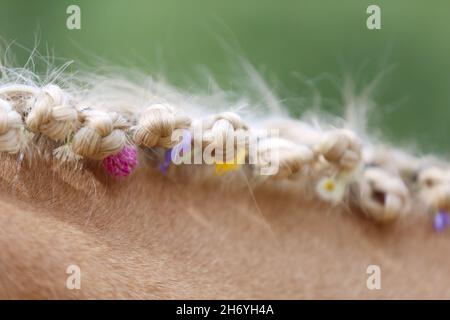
220 130
342 148
383 195
10 128
287 156
101 135
434 187
52 114
156 125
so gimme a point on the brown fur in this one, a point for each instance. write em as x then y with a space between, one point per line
156 237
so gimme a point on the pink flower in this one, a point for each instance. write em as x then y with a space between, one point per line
122 163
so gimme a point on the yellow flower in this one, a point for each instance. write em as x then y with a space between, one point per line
234 165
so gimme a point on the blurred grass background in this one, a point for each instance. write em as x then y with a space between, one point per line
287 41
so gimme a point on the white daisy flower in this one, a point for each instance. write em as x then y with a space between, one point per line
331 189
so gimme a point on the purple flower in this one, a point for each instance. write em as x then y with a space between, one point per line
184 146
441 221
167 159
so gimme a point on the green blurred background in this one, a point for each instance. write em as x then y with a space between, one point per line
300 47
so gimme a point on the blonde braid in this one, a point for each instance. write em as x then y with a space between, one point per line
102 134
381 194
217 131
11 128
52 114
156 125
342 148
434 188
292 157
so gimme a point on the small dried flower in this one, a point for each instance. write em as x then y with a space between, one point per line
123 163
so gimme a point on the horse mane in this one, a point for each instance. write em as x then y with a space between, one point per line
129 118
